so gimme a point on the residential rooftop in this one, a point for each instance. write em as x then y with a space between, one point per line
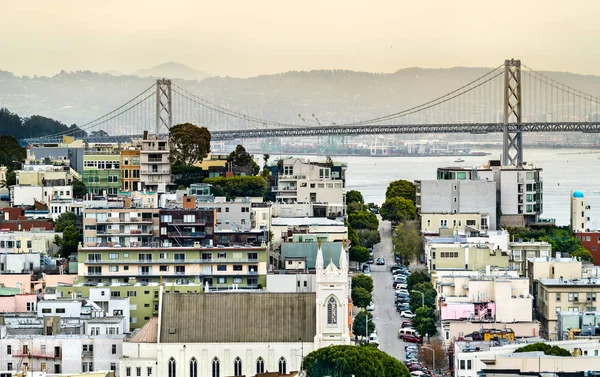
305 221
570 282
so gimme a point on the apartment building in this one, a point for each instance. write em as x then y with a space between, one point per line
454 223
155 167
472 257
458 196
38 240
130 169
187 227
563 294
299 181
102 170
119 227
521 251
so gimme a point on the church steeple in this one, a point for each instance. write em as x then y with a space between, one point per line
319 264
344 259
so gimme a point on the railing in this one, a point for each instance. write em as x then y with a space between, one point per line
195 222
155 171
87 353
186 234
154 159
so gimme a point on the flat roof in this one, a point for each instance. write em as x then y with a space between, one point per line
571 282
305 221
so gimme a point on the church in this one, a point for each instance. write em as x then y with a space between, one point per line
241 333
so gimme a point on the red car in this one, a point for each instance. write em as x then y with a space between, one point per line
406 324
412 339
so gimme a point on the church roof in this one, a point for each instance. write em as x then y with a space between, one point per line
148 333
240 317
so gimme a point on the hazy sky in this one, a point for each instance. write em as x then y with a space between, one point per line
246 38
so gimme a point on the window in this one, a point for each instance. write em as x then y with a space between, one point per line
237 267
260 365
9 350
332 311
237 367
114 349
237 280
189 218
221 255
221 280
180 270
113 268
149 371
113 256
138 372
88 347
131 293
172 368
115 294
221 267
128 371
216 370
166 218
462 364
163 268
590 296
444 223
469 364
282 366
573 297
193 367
558 297
30 306
60 310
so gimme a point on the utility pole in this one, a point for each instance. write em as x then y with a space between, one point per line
433 353
422 297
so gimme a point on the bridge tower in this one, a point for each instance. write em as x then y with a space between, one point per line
164 113
512 151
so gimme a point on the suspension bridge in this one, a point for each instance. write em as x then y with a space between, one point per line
492 103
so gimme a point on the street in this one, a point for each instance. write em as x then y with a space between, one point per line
387 320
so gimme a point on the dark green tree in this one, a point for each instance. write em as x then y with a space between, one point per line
69 241
79 189
359 254
361 298
583 254
429 296
363 220
353 196
424 321
398 209
189 143
407 241
11 153
354 241
401 189
239 157
545 348
417 277
360 323
368 238
363 281
344 361
64 220
238 186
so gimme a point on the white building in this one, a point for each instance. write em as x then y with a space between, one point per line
66 336
579 217
205 335
26 195
19 262
35 240
300 181
155 167
285 228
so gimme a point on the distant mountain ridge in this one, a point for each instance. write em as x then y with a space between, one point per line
332 95
172 70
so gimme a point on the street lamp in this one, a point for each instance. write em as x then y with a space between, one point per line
433 353
422 297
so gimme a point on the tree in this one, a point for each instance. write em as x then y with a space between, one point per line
238 186
69 241
353 196
428 299
441 358
363 281
546 348
360 322
361 298
345 361
424 321
352 236
398 209
368 238
359 254
64 220
189 143
401 189
363 220
406 241
79 189
11 153
583 254
417 277
239 157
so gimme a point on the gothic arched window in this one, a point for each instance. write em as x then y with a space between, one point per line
260 365
216 368
332 311
282 366
172 368
237 367
193 367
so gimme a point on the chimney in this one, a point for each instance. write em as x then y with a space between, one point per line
189 202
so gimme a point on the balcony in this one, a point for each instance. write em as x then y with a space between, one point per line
94 273
181 221
186 234
157 171
155 159
285 188
222 260
87 353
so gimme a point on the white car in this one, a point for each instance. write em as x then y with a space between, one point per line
371 307
407 314
373 338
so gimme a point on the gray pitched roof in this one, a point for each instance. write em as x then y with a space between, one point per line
242 317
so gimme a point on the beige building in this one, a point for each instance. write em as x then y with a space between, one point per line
453 330
521 251
471 257
563 294
461 223
155 167
552 268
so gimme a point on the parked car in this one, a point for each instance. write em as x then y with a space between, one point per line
371 260
397 267
409 347
380 261
406 324
403 331
407 314
402 306
371 307
412 338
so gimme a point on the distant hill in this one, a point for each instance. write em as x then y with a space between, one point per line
172 70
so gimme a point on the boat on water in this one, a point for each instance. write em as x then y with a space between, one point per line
459 160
